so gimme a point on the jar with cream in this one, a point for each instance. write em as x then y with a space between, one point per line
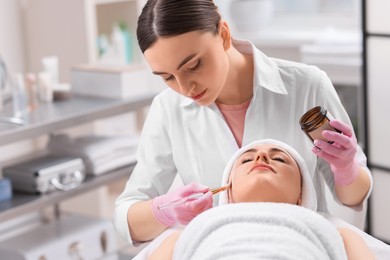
314 121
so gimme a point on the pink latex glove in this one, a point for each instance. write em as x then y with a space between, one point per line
182 213
340 154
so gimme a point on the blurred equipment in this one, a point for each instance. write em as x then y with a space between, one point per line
5 189
46 174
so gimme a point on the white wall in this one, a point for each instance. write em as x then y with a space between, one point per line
12 35
56 28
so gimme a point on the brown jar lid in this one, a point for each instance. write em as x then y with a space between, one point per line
313 119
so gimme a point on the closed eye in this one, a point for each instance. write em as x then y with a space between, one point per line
277 158
245 160
168 78
197 65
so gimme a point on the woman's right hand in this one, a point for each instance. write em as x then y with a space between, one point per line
185 212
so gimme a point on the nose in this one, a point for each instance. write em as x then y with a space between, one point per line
262 156
186 87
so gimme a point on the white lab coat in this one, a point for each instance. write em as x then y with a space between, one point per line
181 137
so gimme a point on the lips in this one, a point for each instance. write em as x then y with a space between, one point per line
199 96
263 166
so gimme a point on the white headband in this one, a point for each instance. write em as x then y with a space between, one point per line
309 198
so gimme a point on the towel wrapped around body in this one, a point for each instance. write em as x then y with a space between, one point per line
260 231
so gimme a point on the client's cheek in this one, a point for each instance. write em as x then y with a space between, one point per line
237 192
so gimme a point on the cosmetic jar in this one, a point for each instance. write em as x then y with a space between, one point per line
314 121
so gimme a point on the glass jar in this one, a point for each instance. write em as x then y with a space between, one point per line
314 121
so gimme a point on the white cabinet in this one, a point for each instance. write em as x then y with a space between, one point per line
380 216
378 16
377 88
378 63
69 29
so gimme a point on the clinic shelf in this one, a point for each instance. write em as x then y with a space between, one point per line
23 203
58 115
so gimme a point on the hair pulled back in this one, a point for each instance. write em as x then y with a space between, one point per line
166 18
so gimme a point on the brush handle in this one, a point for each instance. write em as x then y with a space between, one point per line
181 200
191 197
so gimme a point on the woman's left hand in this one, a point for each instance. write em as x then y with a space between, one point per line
340 154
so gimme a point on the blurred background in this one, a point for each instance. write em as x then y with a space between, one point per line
348 39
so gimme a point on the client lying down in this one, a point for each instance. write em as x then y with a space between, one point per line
267 213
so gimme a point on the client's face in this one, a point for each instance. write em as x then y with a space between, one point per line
265 173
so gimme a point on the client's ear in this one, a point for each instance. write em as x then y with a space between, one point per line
299 202
229 196
224 32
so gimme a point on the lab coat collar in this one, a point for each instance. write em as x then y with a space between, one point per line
266 73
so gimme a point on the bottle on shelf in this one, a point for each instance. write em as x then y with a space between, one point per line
19 97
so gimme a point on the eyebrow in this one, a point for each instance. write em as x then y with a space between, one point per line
181 64
273 149
249 151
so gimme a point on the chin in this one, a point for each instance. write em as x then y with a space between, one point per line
201 103
205 102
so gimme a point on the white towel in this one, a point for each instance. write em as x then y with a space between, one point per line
99 153
116 159
260 231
